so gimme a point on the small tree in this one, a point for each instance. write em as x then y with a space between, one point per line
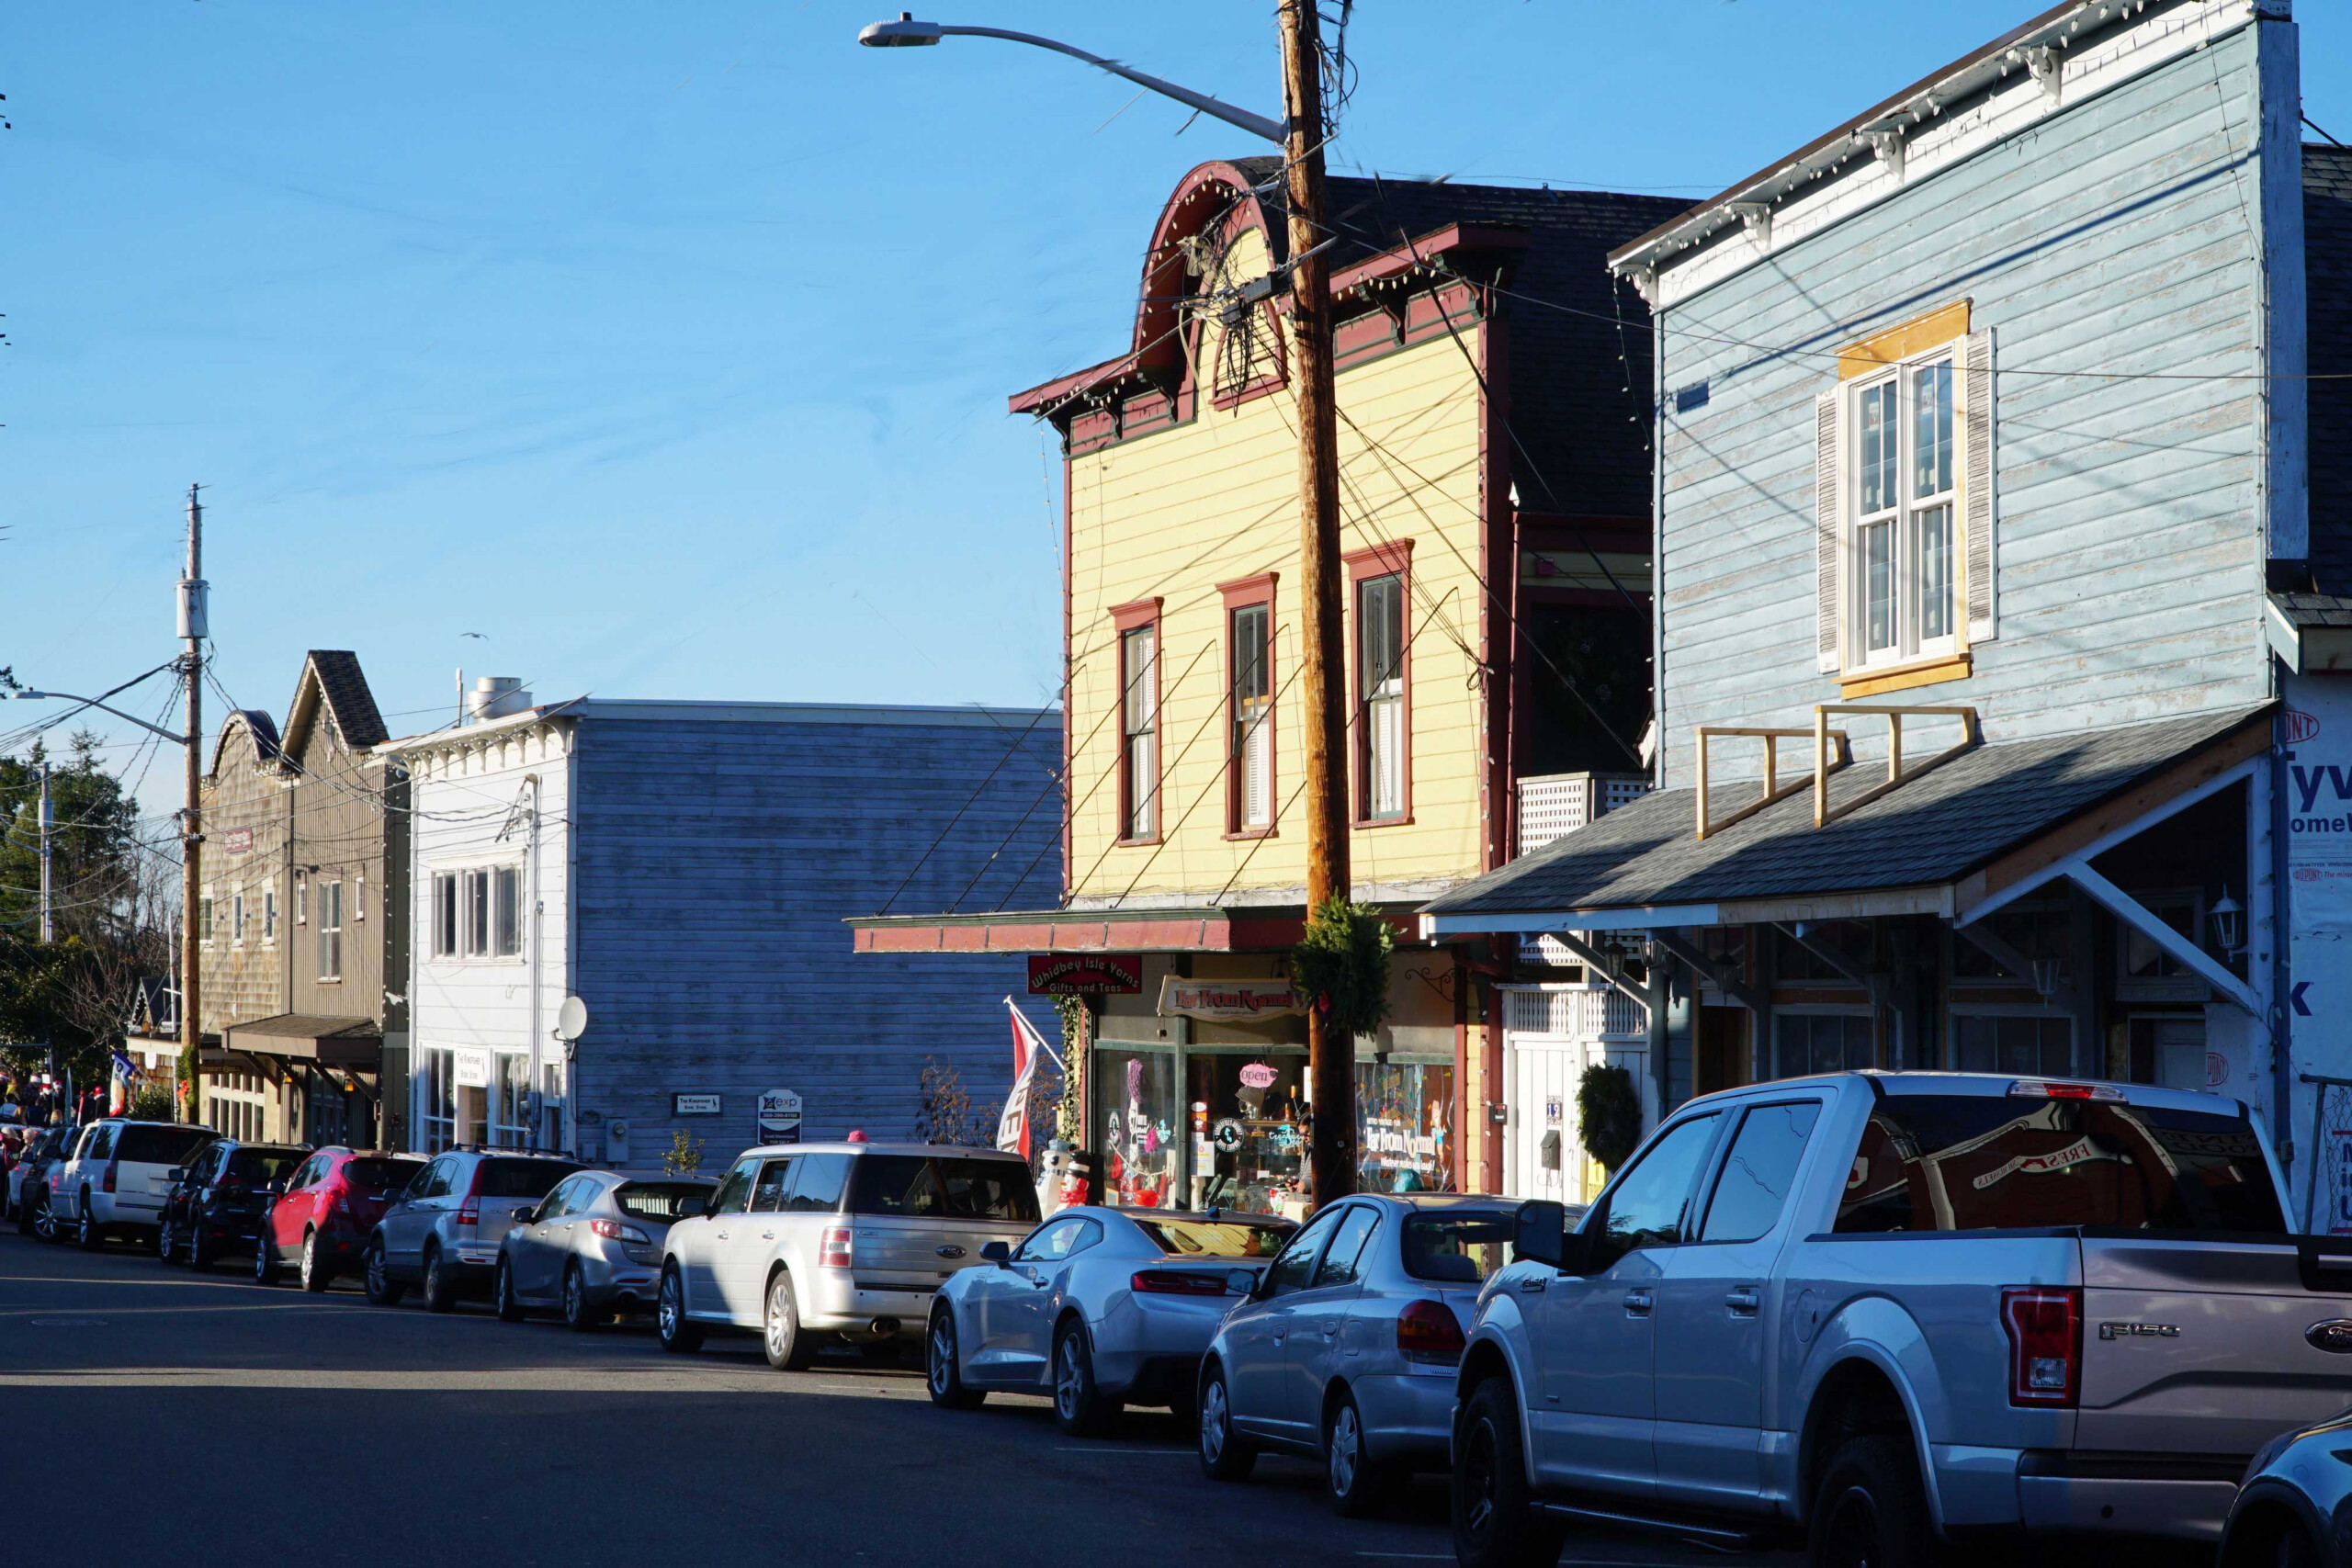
684 1156
1608 1110
947 1114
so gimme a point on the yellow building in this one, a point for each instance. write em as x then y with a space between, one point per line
1495 395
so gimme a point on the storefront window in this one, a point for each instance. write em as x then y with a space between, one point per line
1136 1100
1249 1126
509 1079
437 1102
2035 1046
1404 1127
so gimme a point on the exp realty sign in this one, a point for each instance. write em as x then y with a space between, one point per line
1085 974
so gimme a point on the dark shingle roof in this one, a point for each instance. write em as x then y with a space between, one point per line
1580 393
2327 269
348 698
2314 609
1930 832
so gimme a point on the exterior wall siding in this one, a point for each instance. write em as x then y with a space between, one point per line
245 802
2121 236
1173 513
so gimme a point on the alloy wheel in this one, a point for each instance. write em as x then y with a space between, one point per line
575 1297
783 1318
1213 1418
376 1280
45 1220
669 1308
1479 1477
1069 1378
1347 1451
310 1261
943 1354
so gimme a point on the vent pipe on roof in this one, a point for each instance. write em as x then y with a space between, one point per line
495 696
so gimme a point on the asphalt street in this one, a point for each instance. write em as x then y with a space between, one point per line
155 1415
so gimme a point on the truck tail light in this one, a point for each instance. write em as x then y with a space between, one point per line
1172 1283
106 1184
2045 1329
469 1212
1429 1328
833 1248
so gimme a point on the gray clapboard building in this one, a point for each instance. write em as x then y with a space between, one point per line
682 870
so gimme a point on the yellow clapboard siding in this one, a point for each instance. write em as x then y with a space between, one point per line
1173 513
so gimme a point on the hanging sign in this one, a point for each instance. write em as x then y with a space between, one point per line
237 840
1085 975
779 1116
469 1070
694 1105
1228 998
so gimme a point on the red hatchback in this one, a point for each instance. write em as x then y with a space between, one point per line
322 1217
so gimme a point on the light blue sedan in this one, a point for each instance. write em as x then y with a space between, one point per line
1099 1307
1345 1350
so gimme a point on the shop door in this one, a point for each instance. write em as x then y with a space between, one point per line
1541 1155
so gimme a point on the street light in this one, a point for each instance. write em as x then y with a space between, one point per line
102 708
908 33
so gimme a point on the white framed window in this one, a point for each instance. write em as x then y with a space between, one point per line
204 919
236 916
301 898
436 1100
477 912
330 930
1380 690
359 897
269 914
1904 509
474 900
445 914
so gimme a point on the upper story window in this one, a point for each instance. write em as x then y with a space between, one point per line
1250 705
1139 722
1383 673
237 916
1903 504
445 914
330 930
477 912
269 913
204 919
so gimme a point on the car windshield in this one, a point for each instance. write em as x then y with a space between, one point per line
263 1166
1213 1238
1457 1247
379 1175
663 1200
160 1146
521 1178
925 1186
1934 1162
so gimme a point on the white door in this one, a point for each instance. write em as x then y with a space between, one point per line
1541 1155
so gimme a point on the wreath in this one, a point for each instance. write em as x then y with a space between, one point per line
1608 1110
1341 965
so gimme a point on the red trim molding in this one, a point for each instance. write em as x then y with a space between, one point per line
1392 559
1142 613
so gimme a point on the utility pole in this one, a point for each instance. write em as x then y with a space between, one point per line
48 821
192 629
1331 1062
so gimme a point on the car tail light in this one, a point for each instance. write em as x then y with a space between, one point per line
613 1230
833 1248
107 1185
2045 1329
1429 1328
469 1212
2047 1089
1173 1283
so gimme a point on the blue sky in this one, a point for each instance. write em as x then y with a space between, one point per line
667 347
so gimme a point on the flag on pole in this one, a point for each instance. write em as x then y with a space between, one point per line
1012 1126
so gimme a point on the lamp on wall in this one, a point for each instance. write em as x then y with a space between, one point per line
2226 922
2046 977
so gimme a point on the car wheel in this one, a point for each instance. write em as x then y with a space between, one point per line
86 1233
383 1290
316 1275
679 1334
790 1347
199 1247
265 1256
1358 1483
45 1223
1496 1521
578 1315
1872 1511
940 1373
1225 1456
510 1310
440 1286
167 1243
1080 1408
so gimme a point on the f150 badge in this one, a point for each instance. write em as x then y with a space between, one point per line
2139 1331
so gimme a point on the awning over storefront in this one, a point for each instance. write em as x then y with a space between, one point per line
1960 841
328 1042
1248 929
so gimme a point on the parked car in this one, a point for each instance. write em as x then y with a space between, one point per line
29 1179
815 1243
1797 1293
1346 1349
442 1231
1101 1307
116 1182
593 1247
323 1212
216 1201
2294 1508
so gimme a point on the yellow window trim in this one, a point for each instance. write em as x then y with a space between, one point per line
1954 667
1897 343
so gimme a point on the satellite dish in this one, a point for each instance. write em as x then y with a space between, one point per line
571 1019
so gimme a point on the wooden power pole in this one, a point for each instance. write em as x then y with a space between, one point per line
193 630
1330 1061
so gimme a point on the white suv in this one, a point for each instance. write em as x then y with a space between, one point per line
119 1177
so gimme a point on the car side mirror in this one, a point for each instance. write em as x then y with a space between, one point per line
1540 1232
178 1173
1242 1281
527 1213
689 1207
997 1252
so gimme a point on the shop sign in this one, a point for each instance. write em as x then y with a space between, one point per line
1085 975
779 1116
1228 998
469 1070
694 1105
237 840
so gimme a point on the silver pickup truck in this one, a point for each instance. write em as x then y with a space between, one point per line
1885 1308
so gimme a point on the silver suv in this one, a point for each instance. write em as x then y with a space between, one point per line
836 1242
442 1234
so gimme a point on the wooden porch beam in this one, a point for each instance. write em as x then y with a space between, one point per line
1712 973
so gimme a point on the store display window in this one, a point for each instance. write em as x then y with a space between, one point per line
1404 1127
1249 1117
1140 1120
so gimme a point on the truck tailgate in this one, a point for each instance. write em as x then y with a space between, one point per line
2198 1346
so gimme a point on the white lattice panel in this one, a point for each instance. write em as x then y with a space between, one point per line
1575 1013
1550 808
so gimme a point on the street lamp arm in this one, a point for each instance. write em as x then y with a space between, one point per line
907 31
103 707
